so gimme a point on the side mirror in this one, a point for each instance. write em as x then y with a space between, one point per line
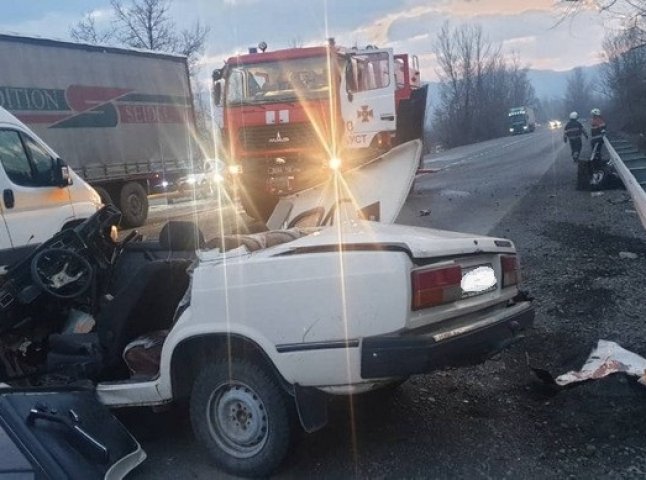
217 93
62 174
216 75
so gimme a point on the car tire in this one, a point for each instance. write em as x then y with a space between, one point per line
239 413
133 203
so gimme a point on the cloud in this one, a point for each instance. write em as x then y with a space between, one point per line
378 31
519 41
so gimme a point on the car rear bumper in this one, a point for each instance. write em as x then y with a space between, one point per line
404 355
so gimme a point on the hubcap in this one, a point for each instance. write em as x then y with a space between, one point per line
238 420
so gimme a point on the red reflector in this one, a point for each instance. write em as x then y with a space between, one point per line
436 286
510 267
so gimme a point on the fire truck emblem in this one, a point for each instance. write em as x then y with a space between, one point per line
365 114
278 139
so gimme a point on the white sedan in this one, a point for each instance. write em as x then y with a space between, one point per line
254 326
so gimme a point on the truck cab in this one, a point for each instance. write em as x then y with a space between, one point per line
286 116
41 195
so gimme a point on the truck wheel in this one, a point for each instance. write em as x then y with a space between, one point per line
133 203
106 199
240 415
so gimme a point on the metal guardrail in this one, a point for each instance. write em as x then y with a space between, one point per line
630 165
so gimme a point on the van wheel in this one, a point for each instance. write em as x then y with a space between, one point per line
106 199
240 415
133 203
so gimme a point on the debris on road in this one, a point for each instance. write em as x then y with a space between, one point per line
607 358
596 194
628 255
425 213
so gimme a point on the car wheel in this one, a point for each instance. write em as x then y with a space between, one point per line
240 415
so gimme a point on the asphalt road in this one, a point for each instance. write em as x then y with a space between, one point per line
477 185
494 420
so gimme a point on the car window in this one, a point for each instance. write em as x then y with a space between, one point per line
43 162
14 158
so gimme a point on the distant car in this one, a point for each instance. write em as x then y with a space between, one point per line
205 182
554 124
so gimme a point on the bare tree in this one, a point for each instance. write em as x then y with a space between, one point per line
624 78
478 85
631 12
86 30
296 42
144 24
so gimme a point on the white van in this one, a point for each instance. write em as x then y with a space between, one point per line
40 195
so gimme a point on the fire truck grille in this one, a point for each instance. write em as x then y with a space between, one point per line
278 137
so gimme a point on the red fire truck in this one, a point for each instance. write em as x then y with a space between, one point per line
287 117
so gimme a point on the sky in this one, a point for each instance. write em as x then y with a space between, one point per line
534 30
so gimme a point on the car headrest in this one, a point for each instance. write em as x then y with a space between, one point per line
180 236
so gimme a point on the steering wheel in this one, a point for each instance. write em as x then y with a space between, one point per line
61 273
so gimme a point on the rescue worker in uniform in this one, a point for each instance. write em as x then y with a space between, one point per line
573 132
597 131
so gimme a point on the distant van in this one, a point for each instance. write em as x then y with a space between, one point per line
40 194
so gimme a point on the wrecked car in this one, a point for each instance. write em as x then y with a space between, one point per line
253 327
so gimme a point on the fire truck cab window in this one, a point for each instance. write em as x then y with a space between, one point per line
234 87
370 71
281 80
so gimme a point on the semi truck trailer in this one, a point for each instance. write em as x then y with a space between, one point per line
121 118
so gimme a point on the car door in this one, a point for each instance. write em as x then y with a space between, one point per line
368 96
63 434
33 205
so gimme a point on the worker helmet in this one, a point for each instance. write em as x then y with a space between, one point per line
574 116
595 112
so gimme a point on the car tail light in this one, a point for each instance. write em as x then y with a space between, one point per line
510 266
435 286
